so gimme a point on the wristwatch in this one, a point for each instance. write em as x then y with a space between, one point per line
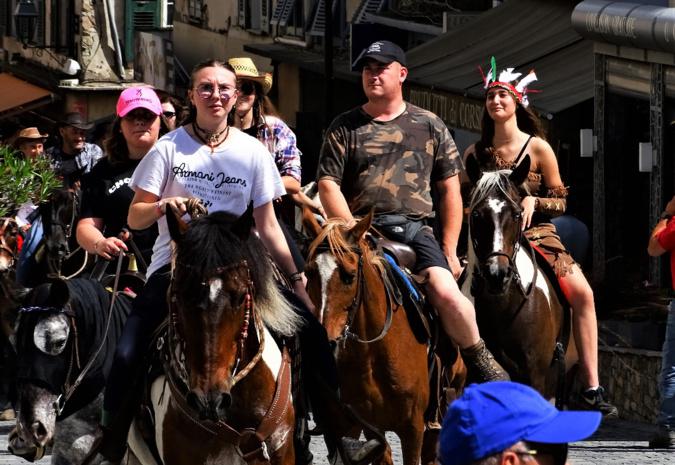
665 216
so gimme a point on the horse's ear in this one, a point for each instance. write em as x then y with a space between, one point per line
311 225
473 168
177 226
242 226
362 227
59 294
519 174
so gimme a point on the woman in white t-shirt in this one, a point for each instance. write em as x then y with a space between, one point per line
227 170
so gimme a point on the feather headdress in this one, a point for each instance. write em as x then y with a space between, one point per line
509 80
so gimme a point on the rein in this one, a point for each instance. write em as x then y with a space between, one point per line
347 333
69 389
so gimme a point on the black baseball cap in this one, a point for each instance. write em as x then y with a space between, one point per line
382 51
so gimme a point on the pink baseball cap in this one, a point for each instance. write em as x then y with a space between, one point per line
138 97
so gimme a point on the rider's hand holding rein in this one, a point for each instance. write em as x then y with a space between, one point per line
94 242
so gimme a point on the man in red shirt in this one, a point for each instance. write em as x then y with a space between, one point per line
661 241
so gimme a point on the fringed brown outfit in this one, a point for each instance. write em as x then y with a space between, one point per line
551 202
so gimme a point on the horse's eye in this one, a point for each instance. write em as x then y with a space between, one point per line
346 277
518 215
475 214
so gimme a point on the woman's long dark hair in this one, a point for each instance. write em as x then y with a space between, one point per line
115 145
527 121
210 63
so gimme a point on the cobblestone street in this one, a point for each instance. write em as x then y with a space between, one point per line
616 443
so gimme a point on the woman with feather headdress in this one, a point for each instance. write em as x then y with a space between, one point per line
510 132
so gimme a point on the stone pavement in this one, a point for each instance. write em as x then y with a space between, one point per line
616 443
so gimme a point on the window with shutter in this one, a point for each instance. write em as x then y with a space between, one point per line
367 7
282 12
241 10
318 23
265 16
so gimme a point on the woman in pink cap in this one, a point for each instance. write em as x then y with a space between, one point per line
106 195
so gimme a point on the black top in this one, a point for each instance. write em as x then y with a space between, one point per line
106 194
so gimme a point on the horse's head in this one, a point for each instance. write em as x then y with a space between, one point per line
59 217
335 271
44 359
9 243
495 222
222 292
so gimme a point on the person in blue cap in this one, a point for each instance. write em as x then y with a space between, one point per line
503 422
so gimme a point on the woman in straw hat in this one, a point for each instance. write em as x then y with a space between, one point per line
255 115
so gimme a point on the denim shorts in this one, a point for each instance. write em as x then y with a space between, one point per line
428 250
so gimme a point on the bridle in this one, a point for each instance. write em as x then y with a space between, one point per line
357 301
67 229
4 247
176 361
512 268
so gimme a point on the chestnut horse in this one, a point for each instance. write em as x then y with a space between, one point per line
382 364
224 396
520 316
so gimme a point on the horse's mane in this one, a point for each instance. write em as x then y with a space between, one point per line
489 182
210 243
333 233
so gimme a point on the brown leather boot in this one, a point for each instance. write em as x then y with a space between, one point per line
482 365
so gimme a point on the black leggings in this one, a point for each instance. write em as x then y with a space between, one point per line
148 311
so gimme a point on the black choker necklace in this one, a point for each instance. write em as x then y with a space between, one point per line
210 138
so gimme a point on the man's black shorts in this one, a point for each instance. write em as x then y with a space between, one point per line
428 250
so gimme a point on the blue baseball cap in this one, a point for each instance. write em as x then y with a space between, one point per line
491 417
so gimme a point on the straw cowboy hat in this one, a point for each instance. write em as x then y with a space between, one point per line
29 134
244 68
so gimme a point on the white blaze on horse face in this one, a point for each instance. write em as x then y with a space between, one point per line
215 285
526 272
496 205
326 265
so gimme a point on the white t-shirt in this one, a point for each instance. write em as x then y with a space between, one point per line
234 175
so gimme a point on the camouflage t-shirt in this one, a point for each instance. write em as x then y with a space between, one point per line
389 165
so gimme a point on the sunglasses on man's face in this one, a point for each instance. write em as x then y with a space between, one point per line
247 87
169 114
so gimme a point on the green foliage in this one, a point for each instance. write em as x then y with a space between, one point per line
23 179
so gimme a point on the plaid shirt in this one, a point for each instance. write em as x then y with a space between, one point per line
282 144
84 161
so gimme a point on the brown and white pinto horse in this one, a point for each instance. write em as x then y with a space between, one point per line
520 315
224 396
382 364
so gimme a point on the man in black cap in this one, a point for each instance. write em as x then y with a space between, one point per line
388 154
74 156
